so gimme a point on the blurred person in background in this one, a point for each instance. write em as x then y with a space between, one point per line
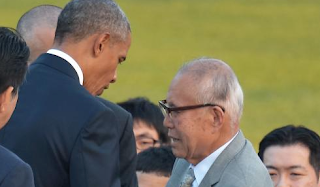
292 156
154 166
147 123
202 113
37 26
14 54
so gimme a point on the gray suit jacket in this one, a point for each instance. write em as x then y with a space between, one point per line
237 166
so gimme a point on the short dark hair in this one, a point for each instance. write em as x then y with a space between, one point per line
142 109
82 18
159 160
14 54
291 135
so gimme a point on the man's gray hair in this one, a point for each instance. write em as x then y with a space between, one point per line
38 17
83 18
215 82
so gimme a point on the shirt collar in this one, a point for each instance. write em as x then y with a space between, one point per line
69 59
201 169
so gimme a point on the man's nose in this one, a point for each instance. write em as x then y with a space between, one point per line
283 181
167 122
114 79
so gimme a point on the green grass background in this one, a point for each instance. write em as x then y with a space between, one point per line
272 45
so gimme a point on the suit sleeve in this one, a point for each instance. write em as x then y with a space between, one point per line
94 160
19 176
128 156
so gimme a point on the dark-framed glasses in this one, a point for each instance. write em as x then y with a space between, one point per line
143 142
167 110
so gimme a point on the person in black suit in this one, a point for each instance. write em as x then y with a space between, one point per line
37 27
14 54
67 135
128 155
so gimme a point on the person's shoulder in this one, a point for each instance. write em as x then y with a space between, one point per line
248 167
8 158
114 107
248 154
10 161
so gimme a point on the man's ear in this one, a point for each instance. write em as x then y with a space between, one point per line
5 98
218 116
100 43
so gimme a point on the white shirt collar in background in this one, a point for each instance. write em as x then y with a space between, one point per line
69 59
201 169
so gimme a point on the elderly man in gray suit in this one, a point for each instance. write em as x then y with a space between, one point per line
202 112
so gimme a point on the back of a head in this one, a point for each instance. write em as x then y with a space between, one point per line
82 18
215 82
14 54
144 110
39 16
292 135
159 160
37 27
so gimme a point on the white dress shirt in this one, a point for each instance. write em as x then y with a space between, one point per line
69 59
201 169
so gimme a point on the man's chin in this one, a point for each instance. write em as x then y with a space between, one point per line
176 152
99 93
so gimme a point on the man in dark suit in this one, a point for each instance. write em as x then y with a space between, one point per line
14 54
67 135
37 27
202 112
128 155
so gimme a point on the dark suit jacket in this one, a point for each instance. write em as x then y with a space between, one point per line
128 151
67 136
13 171
237 166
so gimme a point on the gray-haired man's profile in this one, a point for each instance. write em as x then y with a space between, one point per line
202 112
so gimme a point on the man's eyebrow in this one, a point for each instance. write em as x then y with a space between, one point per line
296 167
290 167
271 167
144 135
171 104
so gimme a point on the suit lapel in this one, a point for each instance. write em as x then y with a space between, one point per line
216 170
57 63
180 168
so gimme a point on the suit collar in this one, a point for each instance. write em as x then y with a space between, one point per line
218 167
180 171
57 63
71 61
202 168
